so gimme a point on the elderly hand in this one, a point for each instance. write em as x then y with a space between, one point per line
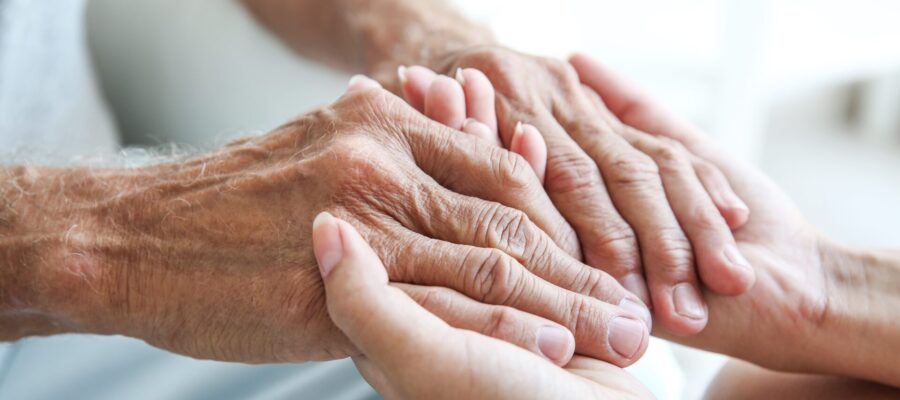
211 257
408 353
648 194
816 306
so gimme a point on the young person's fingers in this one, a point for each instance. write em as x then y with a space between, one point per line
480 102
529 143
445 102
415 81
382 322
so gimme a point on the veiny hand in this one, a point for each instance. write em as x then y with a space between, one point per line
212 257
648 194
408 353
773 322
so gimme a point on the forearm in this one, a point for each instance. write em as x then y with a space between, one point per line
862 330
370 36
45 263
741 380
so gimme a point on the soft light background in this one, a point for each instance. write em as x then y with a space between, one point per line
808 89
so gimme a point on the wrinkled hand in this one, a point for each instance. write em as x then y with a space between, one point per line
643 207
212 257
772 323
408 353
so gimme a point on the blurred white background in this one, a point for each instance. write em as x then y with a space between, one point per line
808 89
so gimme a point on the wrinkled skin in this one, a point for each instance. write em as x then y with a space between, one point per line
646 210
212 257
408 353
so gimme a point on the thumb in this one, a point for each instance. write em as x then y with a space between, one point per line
382 321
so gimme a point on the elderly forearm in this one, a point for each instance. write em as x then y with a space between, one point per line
372 36
48 279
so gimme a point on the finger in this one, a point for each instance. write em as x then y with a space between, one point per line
730 205
491 276
574 183
481 131
538 335
491 173
362 82
720 264
528 142
415 81
637 191
480 101
456 218
360 301
445 102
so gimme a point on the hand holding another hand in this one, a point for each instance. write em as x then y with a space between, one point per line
406 352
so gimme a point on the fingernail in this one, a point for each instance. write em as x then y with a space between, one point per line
555 343
520 129
468 121
401 74
639 310
460 77
635 284
735 202
626 336
356 78
737 259
687 301
327 244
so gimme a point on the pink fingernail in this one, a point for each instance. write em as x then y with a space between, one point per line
327 243
401 74
687 301
555 343
626 336
460 77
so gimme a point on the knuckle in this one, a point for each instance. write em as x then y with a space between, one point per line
594 283
512 171
706 218
562 71
509 229
703 167
618 246
572 172
495 278
670 158
635 167
674 251
500 322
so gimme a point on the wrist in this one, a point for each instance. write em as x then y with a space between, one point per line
410 33
861 332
